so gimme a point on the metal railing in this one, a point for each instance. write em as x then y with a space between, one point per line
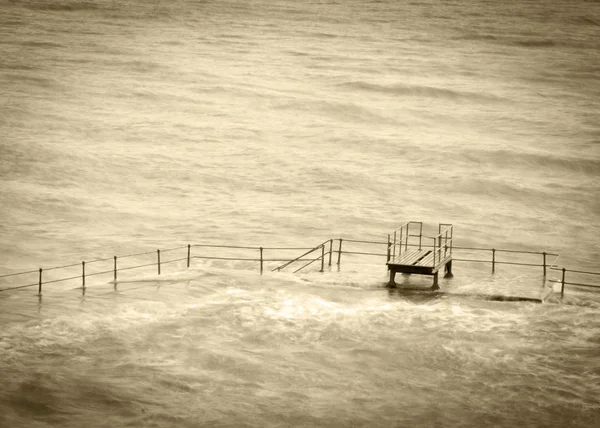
549 260
82 272
398 240
320 257
492 260
441 245
578 273
86 272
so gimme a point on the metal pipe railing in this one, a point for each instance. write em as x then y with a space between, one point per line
442 246
321 257
563 281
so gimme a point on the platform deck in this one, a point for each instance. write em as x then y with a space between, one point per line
417 261
427 254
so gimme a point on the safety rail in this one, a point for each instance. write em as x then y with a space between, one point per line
311 261
83 271
549 260
579 273
399 238
493 260
442 250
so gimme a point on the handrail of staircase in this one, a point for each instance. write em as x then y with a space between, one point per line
437 244
320 246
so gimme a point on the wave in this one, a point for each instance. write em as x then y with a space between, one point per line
552 162
64 5
400 89
322 35
35 44
342 110
534 43
584 20
110 9
476 36
12 21
40 81
495 188
17 66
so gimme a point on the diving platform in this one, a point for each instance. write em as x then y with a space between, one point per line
411 252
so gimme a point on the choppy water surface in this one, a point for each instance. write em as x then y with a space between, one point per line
130 126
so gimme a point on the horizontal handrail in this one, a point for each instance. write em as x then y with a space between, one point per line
250 248
18 273
286 248
62 279
62 267
564 282
443 232
366 242
556 281
363 253
401 227
104 272
173 249
104 259
441 248
135 267
20 287
499 250
145 253
578 271
225 246
235 259
456 247
70 275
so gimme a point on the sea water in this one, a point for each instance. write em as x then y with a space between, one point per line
128 126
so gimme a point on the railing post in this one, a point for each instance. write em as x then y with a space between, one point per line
445 247
322 257
562 288
394 247
261 260
544 254
188 257
434 250
115 270
340 252
493 260
389 249
158 258
330 251
446 242
83 275
40 283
